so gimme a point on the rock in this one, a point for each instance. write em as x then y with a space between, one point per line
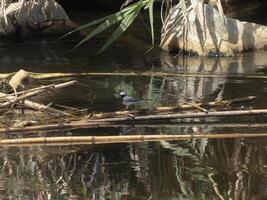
25 17
234 37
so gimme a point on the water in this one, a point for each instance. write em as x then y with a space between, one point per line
195 169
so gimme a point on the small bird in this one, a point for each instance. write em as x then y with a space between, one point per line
127 100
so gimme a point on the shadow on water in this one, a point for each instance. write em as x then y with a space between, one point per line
196 169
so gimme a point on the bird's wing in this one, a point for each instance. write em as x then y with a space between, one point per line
129 99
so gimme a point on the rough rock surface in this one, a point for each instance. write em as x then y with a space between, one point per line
40 17
234 37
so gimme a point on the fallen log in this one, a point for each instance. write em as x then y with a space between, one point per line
123 138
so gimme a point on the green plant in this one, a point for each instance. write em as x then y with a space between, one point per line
130 10
124 18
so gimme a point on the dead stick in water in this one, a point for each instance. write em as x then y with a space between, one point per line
34 93
125 138
185 115
39 107
49 127
127 120
146 74
195 106
26 91
175 108
137 74
44 108
82 125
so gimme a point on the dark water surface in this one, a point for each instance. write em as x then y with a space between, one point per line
195 169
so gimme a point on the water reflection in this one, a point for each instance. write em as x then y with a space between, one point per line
217 169
197 169
199 88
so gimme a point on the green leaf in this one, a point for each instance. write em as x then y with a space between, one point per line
98 21
109 22
90 24
125 23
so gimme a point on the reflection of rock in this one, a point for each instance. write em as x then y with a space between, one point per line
24 17
237 37
199 85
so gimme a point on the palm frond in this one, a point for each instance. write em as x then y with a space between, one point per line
125 17
124 25
102 27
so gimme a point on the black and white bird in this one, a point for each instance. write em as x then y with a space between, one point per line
127 100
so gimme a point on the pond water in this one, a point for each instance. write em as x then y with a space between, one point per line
195 169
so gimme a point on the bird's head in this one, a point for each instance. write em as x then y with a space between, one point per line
123 94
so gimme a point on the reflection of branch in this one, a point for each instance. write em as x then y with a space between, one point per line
50 167
239 185
93 171
215 186
186 191
74 167
83 184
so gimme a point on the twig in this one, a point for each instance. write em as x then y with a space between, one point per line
26 91
195 106
34 93
44 108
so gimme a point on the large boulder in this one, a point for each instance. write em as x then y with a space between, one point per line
24 17
220 36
